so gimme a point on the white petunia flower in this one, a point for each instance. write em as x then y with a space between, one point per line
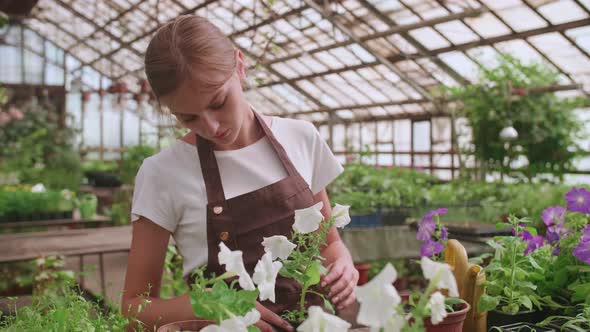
234 264
340 212
308 220
378 299
395 323
235 324
443 274
38 188
279 246
436 304
320 321
265 275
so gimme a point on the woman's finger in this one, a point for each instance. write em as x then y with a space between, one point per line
270 317
344 294
340 284
334 274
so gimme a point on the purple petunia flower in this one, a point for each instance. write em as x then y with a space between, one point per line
428 224
556 250
586 233
443 233
578 200
582 251
436 212
522 225
431 248
423 234
533 244
553 215
526 235
555 233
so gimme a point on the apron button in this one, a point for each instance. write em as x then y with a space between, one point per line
218 209
224 236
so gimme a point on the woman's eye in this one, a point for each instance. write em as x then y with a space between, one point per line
219 106
186 118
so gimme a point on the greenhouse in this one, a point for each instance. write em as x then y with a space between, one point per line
305 165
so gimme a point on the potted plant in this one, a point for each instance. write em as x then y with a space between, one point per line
511 296
101 173
88 205
382 307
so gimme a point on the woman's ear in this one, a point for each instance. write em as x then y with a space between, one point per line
240 66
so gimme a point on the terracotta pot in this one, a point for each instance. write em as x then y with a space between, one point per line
452 323
363 269
185 325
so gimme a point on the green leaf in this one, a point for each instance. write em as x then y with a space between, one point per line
526 302
253 328
328 305
487 303
312 274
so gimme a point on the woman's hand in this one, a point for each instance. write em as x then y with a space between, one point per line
268 319
341 279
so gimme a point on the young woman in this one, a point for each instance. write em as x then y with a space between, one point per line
236 177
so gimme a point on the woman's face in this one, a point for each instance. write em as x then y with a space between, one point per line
215 115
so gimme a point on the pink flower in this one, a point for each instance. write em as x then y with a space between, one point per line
4 118
16 114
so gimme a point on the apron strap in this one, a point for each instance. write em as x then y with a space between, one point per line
210 170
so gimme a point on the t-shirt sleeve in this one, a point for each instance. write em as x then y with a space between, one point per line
325 166
151 199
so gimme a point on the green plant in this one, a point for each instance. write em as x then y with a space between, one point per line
547 129
68 312
173 283
213 299
579 322
101 166
132 160
508 285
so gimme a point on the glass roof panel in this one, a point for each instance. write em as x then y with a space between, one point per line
562 11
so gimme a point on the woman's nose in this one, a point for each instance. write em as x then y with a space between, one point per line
210 124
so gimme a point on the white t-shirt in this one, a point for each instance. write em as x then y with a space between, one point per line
170 191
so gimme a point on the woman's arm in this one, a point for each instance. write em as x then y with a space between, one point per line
144 276
342 276
143 280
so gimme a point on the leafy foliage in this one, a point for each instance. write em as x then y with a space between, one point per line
508 286
547 129
132 160
214 299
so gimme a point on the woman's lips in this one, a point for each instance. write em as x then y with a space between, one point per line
222 135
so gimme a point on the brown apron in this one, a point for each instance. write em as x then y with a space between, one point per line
241 222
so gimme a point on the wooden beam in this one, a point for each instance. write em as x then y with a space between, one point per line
114 19
149 32
395 29
494 40
418 45
433 53
422 116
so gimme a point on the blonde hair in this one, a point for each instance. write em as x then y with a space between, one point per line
185 49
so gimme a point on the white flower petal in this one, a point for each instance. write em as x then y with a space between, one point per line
38 188
234 264
279 246
341 214
395 323
444 274
436 304
308 220
265 275
378 298
320 321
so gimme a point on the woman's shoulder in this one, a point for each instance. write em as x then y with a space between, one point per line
173 156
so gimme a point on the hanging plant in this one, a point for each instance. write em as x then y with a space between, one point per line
547 128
